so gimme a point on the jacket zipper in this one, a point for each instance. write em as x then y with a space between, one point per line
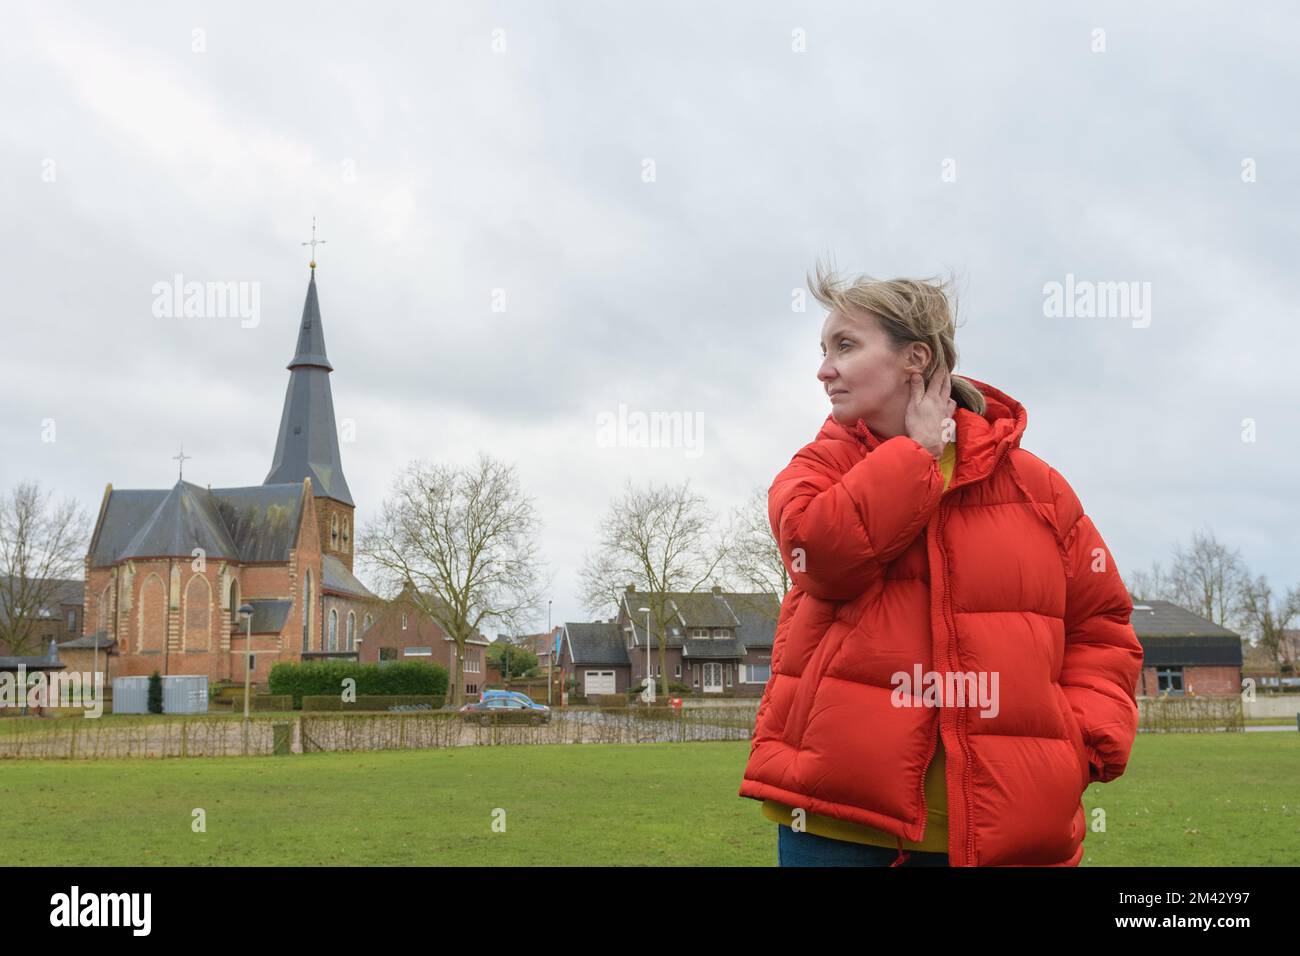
952 661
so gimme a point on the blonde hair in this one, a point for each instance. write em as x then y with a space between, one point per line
908 310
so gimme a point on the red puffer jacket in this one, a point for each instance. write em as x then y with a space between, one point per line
1001 577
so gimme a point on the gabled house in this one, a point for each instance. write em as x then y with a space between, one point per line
717 643
400 631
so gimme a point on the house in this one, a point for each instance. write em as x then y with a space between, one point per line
545 645
398 631
59 617
717 643
1184 653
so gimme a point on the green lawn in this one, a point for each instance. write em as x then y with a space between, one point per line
1196 799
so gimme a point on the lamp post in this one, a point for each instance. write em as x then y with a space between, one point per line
550 657
246 612
649 695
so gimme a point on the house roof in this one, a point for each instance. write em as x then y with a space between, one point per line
307 445
257 523
88 642
749 616
30 663
1153 618
1173 636
596 642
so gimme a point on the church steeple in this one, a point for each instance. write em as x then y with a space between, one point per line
308 443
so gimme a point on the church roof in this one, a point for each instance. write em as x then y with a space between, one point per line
308 442
335 576
244 524
184 519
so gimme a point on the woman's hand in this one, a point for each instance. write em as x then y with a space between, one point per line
930 410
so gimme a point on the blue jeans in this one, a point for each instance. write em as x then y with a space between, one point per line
809 849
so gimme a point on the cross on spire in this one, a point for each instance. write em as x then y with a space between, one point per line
314 242
181 458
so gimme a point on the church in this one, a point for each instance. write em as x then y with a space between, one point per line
169 568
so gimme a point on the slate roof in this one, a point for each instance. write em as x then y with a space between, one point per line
269 615
307 445
186 518
597 642
257 523
750 618
1165 619
87 642
335 576
757 612
30 664
1173 636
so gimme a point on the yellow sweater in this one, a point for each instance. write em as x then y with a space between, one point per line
936 793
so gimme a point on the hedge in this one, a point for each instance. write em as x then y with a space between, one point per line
325 678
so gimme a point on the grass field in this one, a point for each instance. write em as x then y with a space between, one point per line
1196 799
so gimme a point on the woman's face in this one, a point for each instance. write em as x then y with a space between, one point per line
863 376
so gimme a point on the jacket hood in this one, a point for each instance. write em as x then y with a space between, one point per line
981 439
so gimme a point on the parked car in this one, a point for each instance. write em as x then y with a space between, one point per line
505 693
506 710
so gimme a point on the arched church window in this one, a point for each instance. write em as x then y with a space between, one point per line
334 630
306 611
352 631
334 532
346 537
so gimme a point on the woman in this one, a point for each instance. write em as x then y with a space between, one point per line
954 662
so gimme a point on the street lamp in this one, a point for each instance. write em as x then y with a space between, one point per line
649 695
550 657
246 613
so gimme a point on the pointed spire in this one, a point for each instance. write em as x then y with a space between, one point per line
308 442
311 337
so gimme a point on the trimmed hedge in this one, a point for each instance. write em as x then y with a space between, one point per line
369 702
325 679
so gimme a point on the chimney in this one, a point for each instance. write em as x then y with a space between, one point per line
631 589
717 589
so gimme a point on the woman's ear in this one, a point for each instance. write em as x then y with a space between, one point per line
918 359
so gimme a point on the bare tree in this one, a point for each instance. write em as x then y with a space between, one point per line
659 539
753 563
460 546
1269 621
42 544
1150 585
1208 578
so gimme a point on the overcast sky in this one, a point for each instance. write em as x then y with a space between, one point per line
454 149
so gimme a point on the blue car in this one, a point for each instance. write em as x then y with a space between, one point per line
489 694
506 708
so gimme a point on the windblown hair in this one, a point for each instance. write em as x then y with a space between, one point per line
909 310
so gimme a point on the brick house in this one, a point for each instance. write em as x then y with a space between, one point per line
400 632
168 569
1182 652
59 620
544 645
718 644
